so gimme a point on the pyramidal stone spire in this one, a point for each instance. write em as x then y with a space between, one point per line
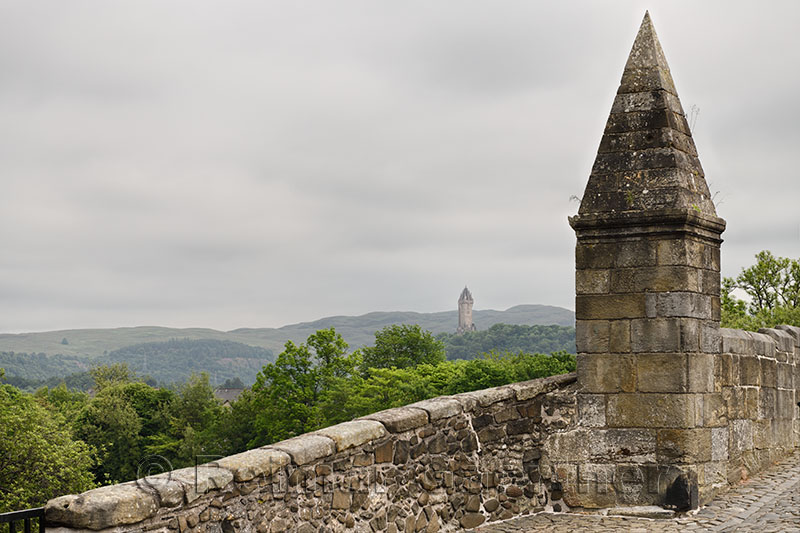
647 159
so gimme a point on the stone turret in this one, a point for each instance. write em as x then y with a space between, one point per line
465 302
647 298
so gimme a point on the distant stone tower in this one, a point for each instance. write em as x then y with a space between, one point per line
465 302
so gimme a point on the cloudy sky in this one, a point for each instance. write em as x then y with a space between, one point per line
252 164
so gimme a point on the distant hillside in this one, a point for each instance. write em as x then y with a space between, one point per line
509 338
171 354
357 331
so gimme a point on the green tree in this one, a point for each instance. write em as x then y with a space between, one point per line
402 346
288 392
773 287
107 375
39 458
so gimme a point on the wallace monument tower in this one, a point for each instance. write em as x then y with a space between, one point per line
465 302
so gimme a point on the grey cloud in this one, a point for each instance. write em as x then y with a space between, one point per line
259 163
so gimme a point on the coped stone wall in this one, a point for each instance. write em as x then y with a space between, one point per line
443 464
756 382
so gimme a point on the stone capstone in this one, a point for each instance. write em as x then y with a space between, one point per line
253 463
306 448
349 434
400 419
200 480
438 408
103 507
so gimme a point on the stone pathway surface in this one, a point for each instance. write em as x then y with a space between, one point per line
767 503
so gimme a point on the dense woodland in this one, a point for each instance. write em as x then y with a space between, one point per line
174 361
509 337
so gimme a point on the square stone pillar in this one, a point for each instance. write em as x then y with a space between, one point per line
647 302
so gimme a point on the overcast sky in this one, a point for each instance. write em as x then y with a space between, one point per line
253 164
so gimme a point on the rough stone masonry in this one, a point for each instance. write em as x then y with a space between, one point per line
668 408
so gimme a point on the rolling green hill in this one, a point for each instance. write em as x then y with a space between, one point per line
357 331
170 354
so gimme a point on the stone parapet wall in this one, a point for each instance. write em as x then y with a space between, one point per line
447 464
746 419
756 381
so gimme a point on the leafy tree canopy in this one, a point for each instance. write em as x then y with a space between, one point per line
402 346
773 286
39 458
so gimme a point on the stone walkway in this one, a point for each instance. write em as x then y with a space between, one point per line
767 503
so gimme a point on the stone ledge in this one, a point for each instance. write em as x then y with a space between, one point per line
485 397
350 434
438 408
103 507
794 331
400 419
784 339
525 390
306 448
200 480
253 463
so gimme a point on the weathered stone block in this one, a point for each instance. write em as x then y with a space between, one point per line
609 306
656 335
701 372
592 336
783 339
306 448
641 80
751 402
592 410
724 364
684 445
740 437
438 408
400 419
710 337
784 376
736 341
592 281
525 390
594 255
655 279
202 479
678 304
354 433
785 404
715 411
485 397
794 331
384 452
629 445
635 253
619 336
109 506
686 252
607 372
719 444
763 344
769 372
654 410
253 463
661 372
710 282
750 370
